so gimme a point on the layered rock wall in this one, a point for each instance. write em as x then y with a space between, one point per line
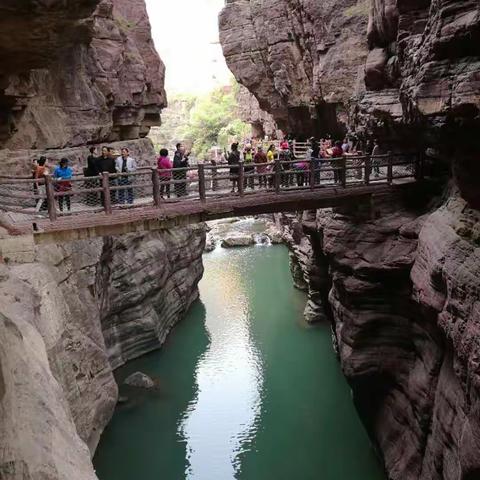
299 58
68 316
77 72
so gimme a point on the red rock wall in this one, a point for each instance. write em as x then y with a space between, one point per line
300 58
77 72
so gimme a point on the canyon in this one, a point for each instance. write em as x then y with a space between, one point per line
397 278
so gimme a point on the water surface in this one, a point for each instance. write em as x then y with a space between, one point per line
247 390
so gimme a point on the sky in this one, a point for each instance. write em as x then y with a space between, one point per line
186 37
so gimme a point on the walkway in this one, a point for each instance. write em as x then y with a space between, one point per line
119 204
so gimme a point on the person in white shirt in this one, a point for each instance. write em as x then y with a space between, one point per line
125 164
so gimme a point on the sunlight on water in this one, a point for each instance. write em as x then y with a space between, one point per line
248 391
229 377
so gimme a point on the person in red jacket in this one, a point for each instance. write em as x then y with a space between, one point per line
337 152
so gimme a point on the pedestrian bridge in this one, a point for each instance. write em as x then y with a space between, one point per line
125 203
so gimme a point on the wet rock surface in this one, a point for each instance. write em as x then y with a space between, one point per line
139 380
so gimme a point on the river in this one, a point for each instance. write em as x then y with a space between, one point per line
247 389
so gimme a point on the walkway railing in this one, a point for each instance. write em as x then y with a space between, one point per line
148 186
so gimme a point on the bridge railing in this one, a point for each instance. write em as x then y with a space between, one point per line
150 187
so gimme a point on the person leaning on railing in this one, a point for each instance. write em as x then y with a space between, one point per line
106 164
125 164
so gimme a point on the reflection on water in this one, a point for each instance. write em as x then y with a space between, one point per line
249 392
228 378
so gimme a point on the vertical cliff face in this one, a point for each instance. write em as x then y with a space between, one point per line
299 58
421 73
146 284
77 72
68 316
402 293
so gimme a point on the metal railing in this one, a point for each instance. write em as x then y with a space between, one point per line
54 198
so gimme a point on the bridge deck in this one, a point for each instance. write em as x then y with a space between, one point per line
126 203
193 211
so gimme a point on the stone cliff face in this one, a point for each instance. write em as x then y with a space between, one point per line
68 316
76 72
299 58
402 293
421 74
146 283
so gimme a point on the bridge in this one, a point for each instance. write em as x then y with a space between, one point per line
89 207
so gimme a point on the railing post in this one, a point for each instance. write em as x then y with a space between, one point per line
343 171
50 193
419 164
157 199
214 178
368 169
278 175
313 166
389 168
201 183
107 198
241 178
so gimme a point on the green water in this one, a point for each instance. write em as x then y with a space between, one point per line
248 391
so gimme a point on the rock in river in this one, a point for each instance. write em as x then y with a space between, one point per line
238 240
139 380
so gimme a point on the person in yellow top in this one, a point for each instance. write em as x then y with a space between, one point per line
271 154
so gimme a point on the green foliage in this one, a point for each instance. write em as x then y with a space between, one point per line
214 121
203 122
360 9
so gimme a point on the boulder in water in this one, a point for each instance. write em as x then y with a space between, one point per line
238 240
139 380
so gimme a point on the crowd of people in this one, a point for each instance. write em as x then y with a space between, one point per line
292 170
258 162
118 166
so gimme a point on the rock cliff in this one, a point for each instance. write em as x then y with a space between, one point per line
68 316
402 295
76 72
300 58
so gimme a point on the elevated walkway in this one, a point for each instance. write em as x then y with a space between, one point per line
121 204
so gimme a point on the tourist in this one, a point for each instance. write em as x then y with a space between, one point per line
249 179
124 165
346 146
92 168
271 154
165 171
376 150
40 171
180 160
234 161
261 167
91 171
337 154
63 174
106 164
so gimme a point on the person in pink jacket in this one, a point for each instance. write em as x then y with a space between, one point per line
165 171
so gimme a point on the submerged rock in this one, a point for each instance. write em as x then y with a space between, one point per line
238 240
139 380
